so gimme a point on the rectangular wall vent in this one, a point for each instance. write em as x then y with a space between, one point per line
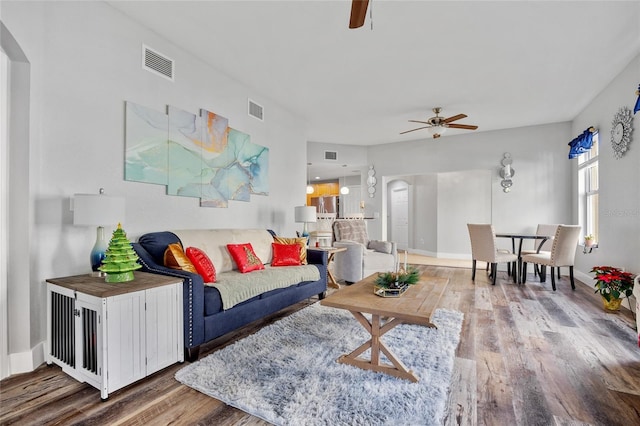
330 155
256 110
157 63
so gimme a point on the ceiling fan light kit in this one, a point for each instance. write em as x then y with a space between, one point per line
437 125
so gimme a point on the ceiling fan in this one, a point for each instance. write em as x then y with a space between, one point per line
438 125
358 13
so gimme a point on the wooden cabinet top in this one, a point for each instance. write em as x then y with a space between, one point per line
96 286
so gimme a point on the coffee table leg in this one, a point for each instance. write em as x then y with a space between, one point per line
376 329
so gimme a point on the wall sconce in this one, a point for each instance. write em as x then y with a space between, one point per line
506 172
371 182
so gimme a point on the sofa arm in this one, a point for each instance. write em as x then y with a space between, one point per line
317 257
192 296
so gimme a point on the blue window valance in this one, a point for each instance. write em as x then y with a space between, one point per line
582 143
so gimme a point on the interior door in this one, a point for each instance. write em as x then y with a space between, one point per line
400 217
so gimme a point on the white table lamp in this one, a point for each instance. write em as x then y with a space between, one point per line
97 210
305 214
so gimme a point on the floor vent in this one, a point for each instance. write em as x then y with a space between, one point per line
256 110
157 63
330 155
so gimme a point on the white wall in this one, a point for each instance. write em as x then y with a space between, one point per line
619 193
441 206
542 188
463 197
85 62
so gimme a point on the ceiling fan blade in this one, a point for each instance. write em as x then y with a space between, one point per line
413 130
418 121
454 118
462 126
358 13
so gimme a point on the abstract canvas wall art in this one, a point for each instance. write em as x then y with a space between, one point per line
194 155
146 149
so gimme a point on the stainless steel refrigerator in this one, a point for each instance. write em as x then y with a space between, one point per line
326 204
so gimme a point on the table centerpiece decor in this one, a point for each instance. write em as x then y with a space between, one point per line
394 284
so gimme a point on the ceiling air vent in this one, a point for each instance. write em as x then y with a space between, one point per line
330 155
256 110
157 63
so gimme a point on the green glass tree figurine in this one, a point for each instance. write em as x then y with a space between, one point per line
120 258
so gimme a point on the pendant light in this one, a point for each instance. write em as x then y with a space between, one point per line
345 189
309 186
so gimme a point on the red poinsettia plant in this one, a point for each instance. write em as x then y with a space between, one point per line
612 282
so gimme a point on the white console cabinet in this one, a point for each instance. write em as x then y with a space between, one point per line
112 334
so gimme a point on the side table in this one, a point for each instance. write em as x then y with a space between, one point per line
112 334
331 252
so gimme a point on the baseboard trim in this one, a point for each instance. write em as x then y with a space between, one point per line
24 362
439 255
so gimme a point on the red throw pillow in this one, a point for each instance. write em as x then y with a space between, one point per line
285 254
302 242
245 257
202 264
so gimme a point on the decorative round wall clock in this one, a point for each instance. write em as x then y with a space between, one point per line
621 131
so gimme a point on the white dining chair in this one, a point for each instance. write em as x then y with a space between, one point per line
563 253
542 246
483 248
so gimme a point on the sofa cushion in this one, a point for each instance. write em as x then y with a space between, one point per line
213 300
381 246
202 263
302 242
285 254
175 258
236 287
244 257
214 243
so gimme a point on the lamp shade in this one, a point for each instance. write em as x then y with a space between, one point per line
97 210
305 214
436 130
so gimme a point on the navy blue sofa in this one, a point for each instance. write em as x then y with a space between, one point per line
204 318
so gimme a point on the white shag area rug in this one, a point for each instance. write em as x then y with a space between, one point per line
287 373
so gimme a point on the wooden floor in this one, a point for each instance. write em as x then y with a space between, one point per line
527 356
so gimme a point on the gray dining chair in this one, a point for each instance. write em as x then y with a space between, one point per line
483 248
563 253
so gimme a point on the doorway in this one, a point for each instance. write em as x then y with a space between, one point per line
400 215
428 213
4 114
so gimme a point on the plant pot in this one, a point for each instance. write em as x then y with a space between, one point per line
612 305
589 243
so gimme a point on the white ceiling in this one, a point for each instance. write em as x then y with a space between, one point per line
503 63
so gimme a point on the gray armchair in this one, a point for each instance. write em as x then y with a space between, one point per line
363 256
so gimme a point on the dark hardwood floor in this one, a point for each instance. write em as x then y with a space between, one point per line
527 356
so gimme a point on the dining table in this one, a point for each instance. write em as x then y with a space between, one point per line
521 237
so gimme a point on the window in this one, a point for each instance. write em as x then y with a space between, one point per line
588 189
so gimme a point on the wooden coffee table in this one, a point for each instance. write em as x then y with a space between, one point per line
415 306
